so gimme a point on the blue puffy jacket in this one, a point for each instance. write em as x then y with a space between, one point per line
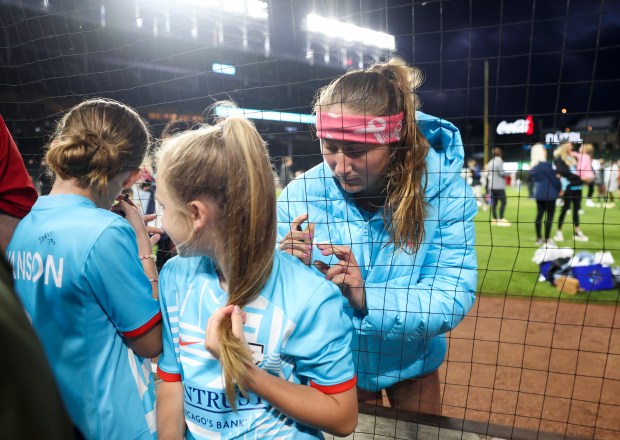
412 299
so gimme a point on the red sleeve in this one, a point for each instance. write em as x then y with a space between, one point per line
17 193
144 328
168 377
335 389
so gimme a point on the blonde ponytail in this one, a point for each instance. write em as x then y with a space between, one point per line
251 224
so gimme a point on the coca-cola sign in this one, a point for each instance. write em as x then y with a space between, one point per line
520 126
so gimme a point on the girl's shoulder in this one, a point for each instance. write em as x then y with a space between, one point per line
184 269
291 275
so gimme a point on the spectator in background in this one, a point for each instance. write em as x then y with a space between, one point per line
286 173
497 185
572 192
143 192
585 170
598 182
611 174
17 193
175 127
600 178
476 183
547 187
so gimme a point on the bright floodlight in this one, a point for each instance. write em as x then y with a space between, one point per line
255 9
265 115
223 68
349 32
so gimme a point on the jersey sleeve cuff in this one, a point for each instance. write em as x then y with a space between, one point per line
144 328
337 388
168 377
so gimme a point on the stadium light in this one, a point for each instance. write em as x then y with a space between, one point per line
265 115
194 27
349 32
225 69
139 19
255 9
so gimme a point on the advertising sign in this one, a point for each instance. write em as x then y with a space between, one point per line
520 126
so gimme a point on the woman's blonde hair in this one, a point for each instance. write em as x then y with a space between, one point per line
228 163
385 89
538 154
97 140
565 152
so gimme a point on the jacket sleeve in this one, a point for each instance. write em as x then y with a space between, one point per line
564 171
443 292
17 193
555 181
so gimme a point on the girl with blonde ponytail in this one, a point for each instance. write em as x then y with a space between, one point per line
90 283
392 226
272 363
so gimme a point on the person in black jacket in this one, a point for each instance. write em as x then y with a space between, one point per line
546 190
566 165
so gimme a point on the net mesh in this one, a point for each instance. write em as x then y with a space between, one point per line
531 359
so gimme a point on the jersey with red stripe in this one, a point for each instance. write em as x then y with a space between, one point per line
296 329
78 274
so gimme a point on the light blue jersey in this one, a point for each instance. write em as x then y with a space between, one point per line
296 329
78 275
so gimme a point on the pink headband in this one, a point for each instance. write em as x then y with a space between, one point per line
359 128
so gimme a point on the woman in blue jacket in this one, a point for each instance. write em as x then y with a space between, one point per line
547 187
390 220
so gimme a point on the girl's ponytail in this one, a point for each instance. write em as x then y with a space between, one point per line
250 223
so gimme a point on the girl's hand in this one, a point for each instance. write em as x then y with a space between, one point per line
298 242
133 215
154 233
346 274
212 340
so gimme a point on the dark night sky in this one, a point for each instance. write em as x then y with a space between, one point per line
543 55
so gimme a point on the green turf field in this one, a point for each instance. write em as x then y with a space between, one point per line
505 253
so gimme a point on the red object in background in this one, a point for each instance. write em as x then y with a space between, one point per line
508 180
529 125
17 193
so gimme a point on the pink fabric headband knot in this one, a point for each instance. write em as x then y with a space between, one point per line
359 128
